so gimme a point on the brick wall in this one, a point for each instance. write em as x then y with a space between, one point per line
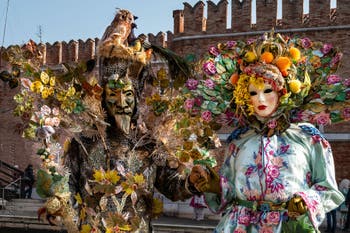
193 33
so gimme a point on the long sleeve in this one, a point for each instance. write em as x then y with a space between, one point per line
323 194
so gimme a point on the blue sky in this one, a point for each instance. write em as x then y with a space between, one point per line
64 20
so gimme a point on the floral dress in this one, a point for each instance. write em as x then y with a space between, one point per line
274 169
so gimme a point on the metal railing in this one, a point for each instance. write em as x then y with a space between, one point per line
18 188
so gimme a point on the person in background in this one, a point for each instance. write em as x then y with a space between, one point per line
343 209
29 180
198 204
347 202
332 221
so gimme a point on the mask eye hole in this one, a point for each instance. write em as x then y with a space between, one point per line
253 93
269 90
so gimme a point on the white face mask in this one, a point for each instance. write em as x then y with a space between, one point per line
264 101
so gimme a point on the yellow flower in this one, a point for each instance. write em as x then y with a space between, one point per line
139 179
36 86
86 228
99 175
78 198
71 91
44 77
125 228
128 189
250 57
52 81
295 86
45 93
109 230
112 176
294 53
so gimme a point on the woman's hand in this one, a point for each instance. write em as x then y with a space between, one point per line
205 179
296 207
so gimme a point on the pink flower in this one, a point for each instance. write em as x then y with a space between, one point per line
333 78
189 103
45 110
192 84
206 116
251 41
266 229
306 43
326 48
198 101
273 217
272 124
239 230
230 44
273 171
336 59
214 50
209 68
26 83
54 121
209 83
55 111
346 113
244 219
321 118
346 82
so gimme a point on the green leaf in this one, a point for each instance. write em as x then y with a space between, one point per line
43 184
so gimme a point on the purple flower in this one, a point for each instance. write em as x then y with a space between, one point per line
333 78
206 116
347 94
251 41
192 84
214 50
209 83
346 82
189 103
326 48
230 44
346 113
209 68
336 59
306 43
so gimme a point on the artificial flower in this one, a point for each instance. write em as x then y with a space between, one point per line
294 53
36 87
250 57
283 63
44 77
295 86
267 57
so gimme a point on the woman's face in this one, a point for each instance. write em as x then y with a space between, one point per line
264 101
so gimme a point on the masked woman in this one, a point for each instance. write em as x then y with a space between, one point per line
278 176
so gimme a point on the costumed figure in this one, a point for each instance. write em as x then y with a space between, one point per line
278 175
112 161
114 172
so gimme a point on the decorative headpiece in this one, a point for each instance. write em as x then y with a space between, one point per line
299 69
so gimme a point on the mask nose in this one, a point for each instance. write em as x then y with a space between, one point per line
261 97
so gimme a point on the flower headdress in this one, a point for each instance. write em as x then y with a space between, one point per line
299 69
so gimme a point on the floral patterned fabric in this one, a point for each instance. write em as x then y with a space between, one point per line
297 162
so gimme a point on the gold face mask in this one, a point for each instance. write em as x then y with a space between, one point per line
120 102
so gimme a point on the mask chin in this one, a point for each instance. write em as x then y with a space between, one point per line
123 123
